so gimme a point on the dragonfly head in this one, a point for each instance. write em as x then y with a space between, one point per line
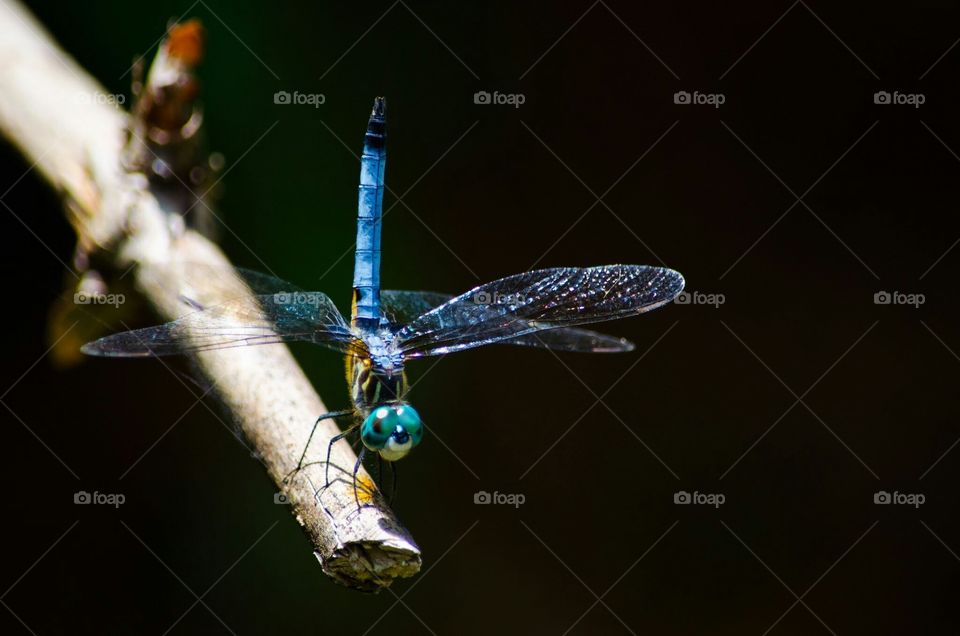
392 430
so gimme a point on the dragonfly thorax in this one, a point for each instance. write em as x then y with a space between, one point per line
390 426
375 381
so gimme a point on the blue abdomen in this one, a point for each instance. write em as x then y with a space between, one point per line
366 272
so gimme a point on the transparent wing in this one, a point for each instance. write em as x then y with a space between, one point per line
207 276
264 319
402 307
572 339
262 283
542 300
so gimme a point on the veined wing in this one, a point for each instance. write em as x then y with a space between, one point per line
258 282
546 299
262 283
571 339
402 307
286 316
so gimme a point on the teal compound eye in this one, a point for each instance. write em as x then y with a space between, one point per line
392 431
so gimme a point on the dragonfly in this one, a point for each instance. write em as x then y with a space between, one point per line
388 328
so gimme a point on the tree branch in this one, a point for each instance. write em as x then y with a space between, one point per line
48 109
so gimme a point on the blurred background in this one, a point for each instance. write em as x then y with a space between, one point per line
788 207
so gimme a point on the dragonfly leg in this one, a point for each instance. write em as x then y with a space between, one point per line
382 479
395 482
325 416
333 440
356 468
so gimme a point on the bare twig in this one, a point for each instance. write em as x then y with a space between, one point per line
50 110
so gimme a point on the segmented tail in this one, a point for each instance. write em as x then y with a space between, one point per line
366 271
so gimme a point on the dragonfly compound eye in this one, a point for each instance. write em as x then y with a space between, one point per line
392 431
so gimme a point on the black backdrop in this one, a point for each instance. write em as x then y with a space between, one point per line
797 199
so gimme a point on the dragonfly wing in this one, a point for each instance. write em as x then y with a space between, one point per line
401 307
541 300
270 318
572 339
262 283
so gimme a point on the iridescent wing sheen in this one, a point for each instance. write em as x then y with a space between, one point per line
262 283
287 316
401 307
571 339
542 300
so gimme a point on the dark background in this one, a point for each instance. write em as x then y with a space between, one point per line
700 412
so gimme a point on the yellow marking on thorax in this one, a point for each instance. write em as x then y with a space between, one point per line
358 377
353 309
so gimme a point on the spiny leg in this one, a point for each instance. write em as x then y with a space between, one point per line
330 415
333 440
382 479
394 484
356 468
